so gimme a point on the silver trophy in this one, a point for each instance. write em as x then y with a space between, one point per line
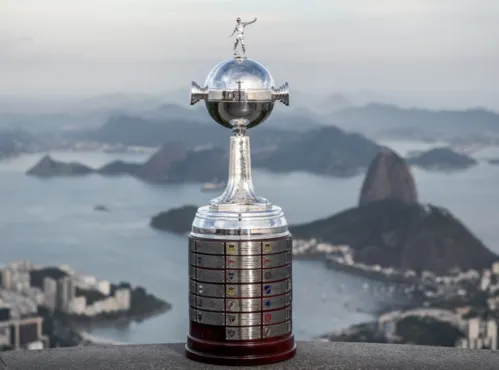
240 249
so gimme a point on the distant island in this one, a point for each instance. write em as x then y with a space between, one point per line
176 220
442 159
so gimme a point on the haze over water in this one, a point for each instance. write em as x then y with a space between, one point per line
52 221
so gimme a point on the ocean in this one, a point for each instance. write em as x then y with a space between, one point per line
53 222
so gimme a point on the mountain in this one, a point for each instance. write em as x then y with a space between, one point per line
384 120
13 142
442 159
177 220
48 167
324 151
172 163
388 177
130 130
392 233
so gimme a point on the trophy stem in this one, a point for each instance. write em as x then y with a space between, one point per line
239 195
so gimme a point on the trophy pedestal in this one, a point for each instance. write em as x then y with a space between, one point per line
240 289
258 352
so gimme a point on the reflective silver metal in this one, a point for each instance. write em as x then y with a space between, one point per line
239 94
243 276
239 29
273 303
243 290
243 305
276 246
207 290
275 274
243 248
210 317
276 330
243 333
210 247
243 319
274 260
280 287
243 262
240 246
209 276
274 317
206 303
207 261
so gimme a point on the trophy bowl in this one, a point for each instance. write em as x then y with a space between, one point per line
240 77
239 90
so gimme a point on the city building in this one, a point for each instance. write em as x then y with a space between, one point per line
104 287
123 298
495 268
482 334
50 292
78 305
66 291
6 277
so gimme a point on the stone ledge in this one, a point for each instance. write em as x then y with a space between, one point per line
310 356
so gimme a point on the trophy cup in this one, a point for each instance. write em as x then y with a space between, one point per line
240 249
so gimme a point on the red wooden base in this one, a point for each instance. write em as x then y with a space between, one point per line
205 344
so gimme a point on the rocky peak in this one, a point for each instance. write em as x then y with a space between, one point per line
388 177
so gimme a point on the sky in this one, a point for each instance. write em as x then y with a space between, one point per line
424 49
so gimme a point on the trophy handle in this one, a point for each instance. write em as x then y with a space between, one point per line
198 93
281 94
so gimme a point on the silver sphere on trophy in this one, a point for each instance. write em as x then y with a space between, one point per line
240 248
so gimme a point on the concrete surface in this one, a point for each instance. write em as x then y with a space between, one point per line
310 356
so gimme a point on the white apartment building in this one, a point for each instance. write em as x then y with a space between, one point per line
481 335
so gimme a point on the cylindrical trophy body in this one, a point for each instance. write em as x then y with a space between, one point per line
240 289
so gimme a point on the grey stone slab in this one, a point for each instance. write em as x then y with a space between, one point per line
310 356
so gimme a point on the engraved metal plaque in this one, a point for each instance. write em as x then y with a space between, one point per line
243 291
210 247
192 272
279 301
243 248
243 305
210 318
274 317
276 330
243 319
275 246
243 333
274 260
243 262
243 276
192 314
210 276
207 290
209 261
280 287
275 274
206 303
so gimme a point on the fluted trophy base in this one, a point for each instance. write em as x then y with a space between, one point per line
240 288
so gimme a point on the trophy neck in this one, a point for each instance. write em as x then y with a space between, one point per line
239 195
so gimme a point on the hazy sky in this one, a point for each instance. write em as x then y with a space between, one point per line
448 47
